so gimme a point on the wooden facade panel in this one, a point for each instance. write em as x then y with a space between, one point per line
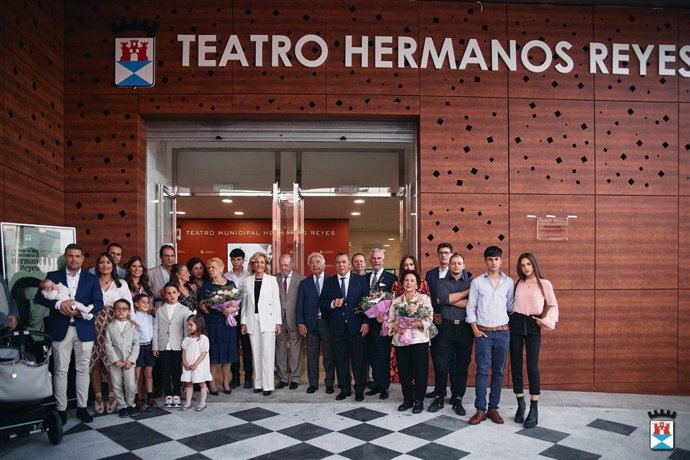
552 25
557 259
636 148
183 106
101 143
104 217
90 44
373 105
293 20
684 149
2 194
30 200
683 335
574 337
658 388
629 324
629 226
684 242
470 223
369 18
305 104
683 39
551 146
440 21
34 32
33 122
635 26
463 145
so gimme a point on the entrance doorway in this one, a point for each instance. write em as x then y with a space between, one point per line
293 187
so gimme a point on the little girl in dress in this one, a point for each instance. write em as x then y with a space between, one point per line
196 363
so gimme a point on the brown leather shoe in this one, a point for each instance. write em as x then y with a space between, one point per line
495 416
477 418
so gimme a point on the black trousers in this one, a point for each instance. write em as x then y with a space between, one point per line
525 334
348 351
413 369
454 351
247 364
171 371
379 349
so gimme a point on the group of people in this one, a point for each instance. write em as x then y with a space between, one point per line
122 323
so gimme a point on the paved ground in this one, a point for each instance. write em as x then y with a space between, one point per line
290 424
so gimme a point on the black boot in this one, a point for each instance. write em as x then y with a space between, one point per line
520 413
532 416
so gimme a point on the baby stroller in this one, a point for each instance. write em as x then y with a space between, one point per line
27 404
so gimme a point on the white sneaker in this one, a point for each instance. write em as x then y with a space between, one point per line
176 401
169 401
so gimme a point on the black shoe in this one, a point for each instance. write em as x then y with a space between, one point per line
132 411
372 392
83 415
404 406
281 385
123 412
329 389
342 395
248 384
436 404
258 390
431 394
457 407
312 389
520 412
453 401
214 393
532 416
63 416
228 391
418 407
359 396
267 393
294 385
370 384
383 394
234 383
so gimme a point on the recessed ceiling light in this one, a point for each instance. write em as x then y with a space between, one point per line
179 212
239 213
359 201
391 239
226 200
356 213
386 245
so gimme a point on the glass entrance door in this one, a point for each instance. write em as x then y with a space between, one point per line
288 225
167 216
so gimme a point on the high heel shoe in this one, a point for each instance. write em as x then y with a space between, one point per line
112 405
99 408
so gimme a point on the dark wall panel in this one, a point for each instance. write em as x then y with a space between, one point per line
559 260
470 222
462 22
635 25
552 24
551 146
623 335
626 226
463 145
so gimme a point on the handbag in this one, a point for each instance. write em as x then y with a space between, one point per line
23 380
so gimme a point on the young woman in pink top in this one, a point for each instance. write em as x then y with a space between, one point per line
535 307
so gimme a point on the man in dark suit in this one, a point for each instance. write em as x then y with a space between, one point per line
339 297
312 326
71 332
379 348
9 313
288 280
444 251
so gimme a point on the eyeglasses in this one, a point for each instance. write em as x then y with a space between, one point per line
121 308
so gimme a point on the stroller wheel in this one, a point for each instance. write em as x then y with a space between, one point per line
54 425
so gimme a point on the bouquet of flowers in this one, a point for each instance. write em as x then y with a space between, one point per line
409 311
376 304
223 298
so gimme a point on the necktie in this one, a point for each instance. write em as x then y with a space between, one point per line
342 287
317 282
374 280
285 284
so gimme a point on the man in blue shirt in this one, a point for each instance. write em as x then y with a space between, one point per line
490 302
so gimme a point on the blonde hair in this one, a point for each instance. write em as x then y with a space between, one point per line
217 261
254 257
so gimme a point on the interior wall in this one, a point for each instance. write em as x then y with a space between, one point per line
494 146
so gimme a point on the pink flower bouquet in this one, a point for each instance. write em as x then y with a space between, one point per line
224 298
376 304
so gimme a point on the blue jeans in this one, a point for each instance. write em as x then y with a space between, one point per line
490 351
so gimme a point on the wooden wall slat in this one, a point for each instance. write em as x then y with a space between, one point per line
462 22
552 24
629 325
636 148
279 104
684 242
683 335
2 195
635 25
684 149
28 200
559 260
683 39
463 145
551 146
628 227
361 105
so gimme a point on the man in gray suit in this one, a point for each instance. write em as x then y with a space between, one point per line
159 276
289 280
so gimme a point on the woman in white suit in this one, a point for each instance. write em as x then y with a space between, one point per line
261 319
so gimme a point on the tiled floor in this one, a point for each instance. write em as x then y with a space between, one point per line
293 425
